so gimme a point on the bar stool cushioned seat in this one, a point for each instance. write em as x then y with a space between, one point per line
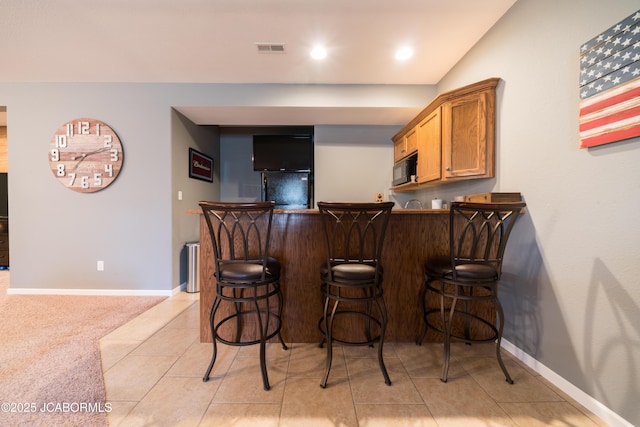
248 271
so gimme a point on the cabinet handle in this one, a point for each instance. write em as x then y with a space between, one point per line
448 169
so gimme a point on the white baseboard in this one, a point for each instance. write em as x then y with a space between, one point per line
95 292
593 405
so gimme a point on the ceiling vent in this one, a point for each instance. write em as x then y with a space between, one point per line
270 47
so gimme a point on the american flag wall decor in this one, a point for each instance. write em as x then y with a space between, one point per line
610 84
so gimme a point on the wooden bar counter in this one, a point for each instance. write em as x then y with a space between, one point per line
297 241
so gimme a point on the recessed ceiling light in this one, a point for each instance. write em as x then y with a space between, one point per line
318 52
404 53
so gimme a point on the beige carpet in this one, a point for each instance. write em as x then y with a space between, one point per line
50 372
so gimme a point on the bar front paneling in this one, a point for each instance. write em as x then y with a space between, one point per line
297 241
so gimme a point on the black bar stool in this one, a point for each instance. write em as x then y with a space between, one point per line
351 277
478 234
247 279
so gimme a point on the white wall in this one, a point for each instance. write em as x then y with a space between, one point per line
353 162
571 287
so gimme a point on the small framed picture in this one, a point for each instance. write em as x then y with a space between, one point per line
200 166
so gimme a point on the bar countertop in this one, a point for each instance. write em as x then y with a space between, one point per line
395 210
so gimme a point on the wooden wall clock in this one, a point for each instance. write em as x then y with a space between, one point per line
85 155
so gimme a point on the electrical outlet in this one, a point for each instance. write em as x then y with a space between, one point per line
100 265
379 197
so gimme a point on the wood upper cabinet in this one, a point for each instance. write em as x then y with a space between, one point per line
429 132
404 145
455 137
468 136
412 142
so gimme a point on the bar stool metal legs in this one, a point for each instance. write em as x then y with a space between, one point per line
331 305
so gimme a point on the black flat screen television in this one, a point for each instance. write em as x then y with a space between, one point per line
282 152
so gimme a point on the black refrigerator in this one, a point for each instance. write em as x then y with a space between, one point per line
285 163
289 190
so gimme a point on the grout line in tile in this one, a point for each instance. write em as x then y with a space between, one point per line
391 351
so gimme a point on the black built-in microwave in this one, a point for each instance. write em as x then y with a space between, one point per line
403 170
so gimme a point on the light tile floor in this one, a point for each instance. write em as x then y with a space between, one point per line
153 369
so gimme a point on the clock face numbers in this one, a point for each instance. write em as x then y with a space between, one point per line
85 155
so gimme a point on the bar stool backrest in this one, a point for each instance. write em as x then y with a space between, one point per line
354 232
240 232
479 232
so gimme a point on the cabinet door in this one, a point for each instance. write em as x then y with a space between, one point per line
411 141
405 145
429 143
467 136
399 149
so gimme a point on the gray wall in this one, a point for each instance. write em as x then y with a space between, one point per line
571 289
351 163
136 226
238 181
185 228
571 282
57 235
